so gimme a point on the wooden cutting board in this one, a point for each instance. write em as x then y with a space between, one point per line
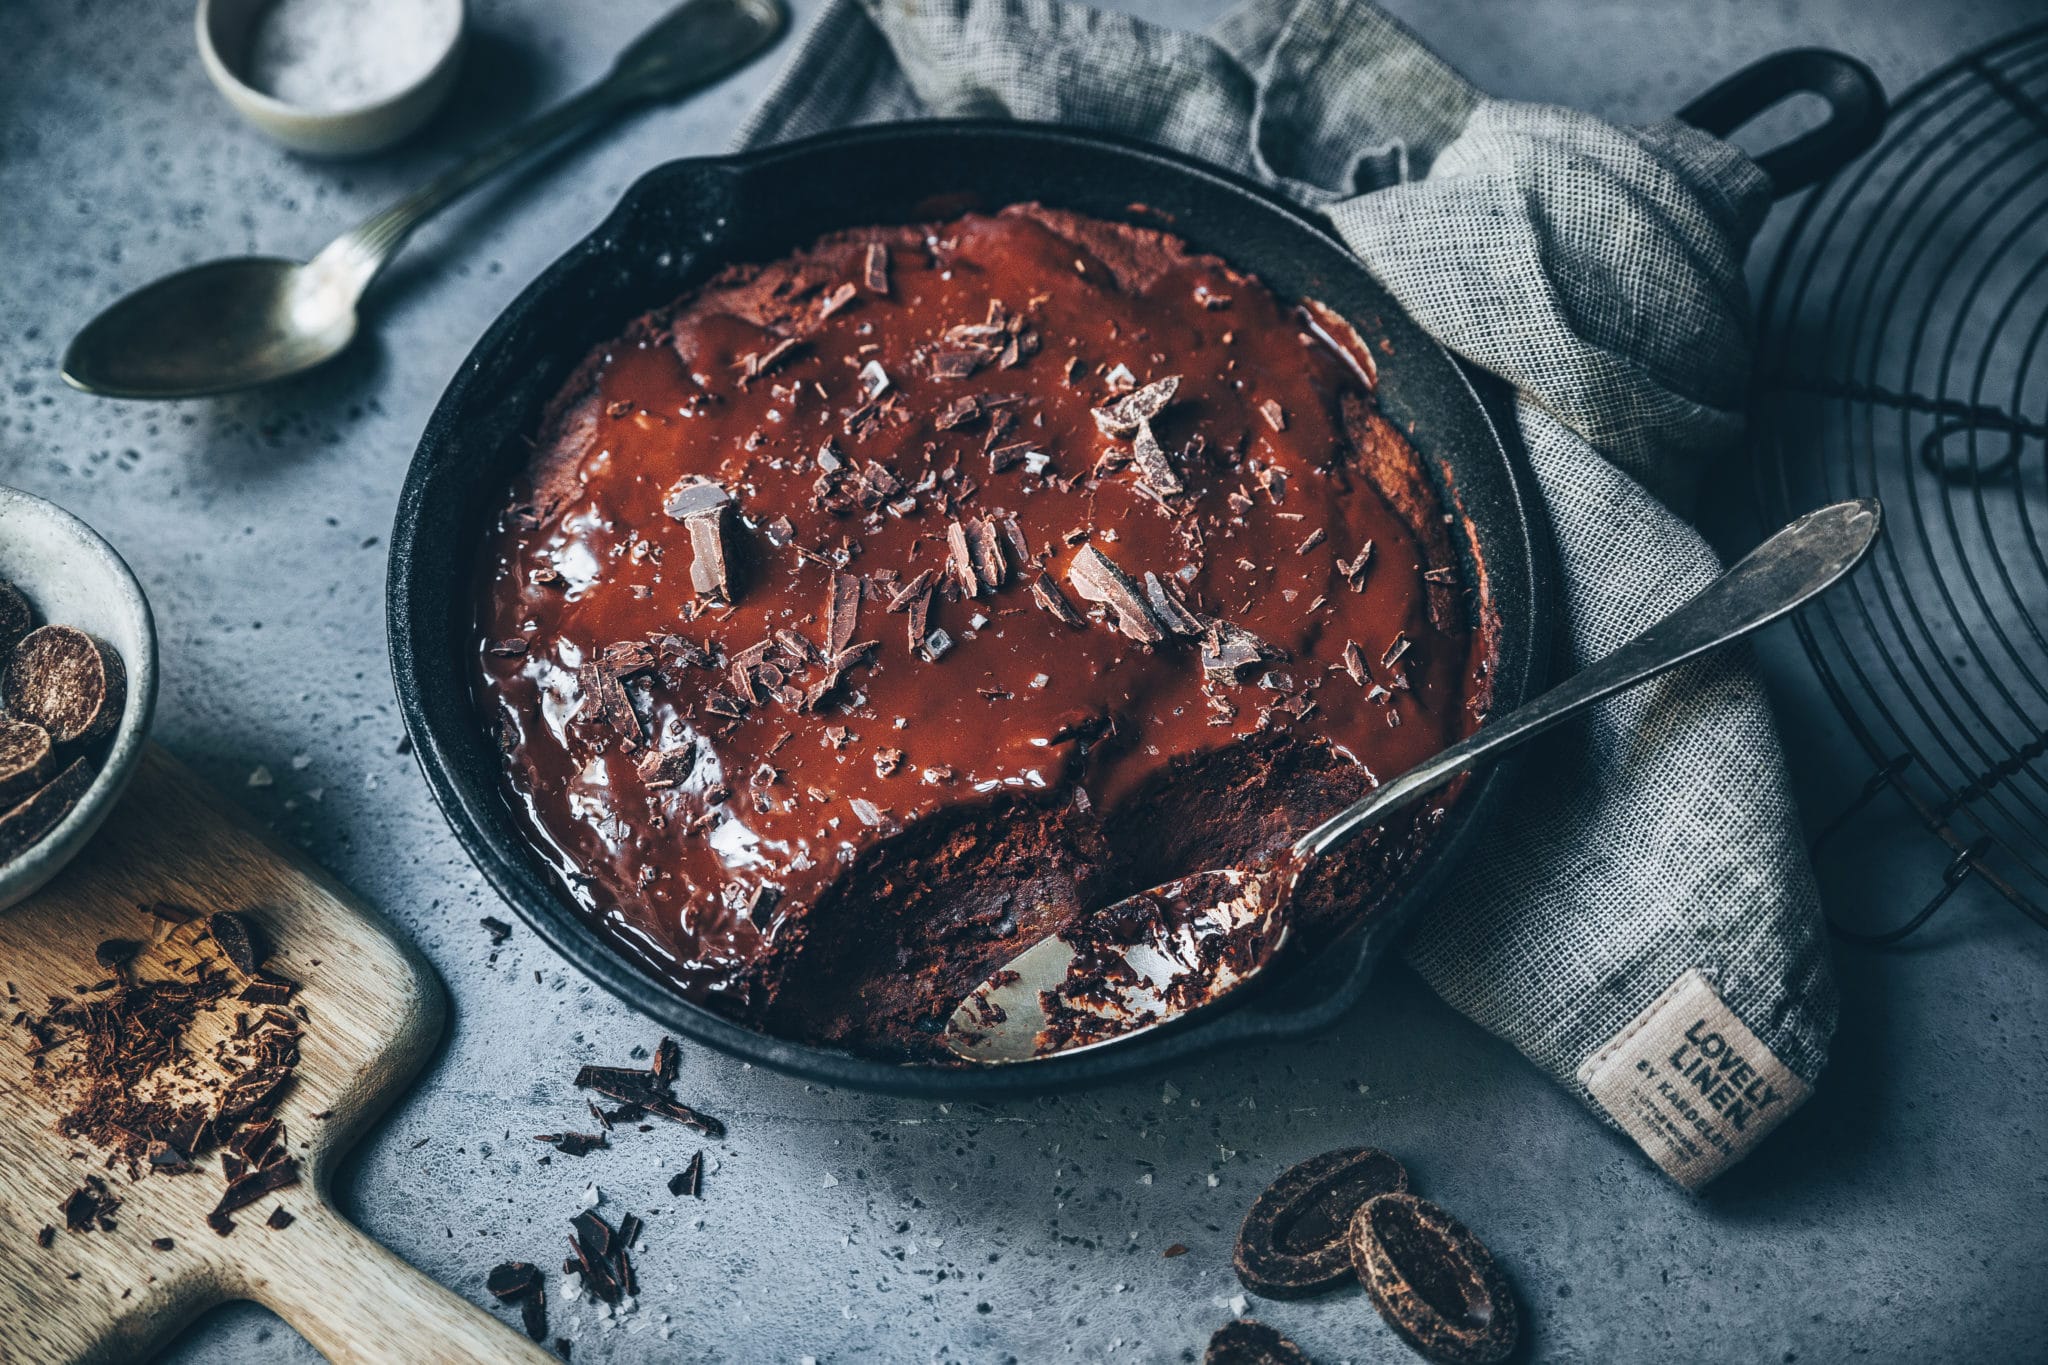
374 1011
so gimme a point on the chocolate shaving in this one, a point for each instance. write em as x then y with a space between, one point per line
269 988
1228 650
842 612
988 554
1121 417
689 1182
1153 466
875 268
496 928
1097 578
1354 663
962 411
961 559
640 1087
239 940
1168 605
918 588
1047 594
668 1061
573 1143
247 1189
1354 570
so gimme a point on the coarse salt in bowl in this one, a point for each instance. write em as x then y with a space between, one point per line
333 77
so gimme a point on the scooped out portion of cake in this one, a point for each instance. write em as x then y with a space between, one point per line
865 616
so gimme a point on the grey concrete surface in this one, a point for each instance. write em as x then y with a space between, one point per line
1900 1216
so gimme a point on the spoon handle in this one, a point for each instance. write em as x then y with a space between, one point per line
692 45
1783 573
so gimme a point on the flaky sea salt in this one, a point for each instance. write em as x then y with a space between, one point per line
329 55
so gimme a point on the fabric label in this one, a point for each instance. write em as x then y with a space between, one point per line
1690 1083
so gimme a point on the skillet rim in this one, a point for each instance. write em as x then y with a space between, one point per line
1517 549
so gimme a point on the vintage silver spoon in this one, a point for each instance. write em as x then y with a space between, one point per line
247 320
1168 952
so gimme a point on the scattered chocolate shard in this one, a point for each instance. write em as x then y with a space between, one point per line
1228 650
48 1235
888 762
162 1243
16 618
1150 458
115 953
754 364
511 1279
250 1093
1275 415
962 411
875 268
842 612
27 758
1120 417
533 1316
44 809
1354 663
1315 538
961 559
987 545
65 681
1097 578
705 510
1046 593
1168 605
605 703
246 1190
164 1159
878 484
1006 457
639 1087
1396 650
572 1143
506 649
935 645
239 940
280 1219
689 1182
660 769
1354 569
917 589
269 988
668 1061
836 300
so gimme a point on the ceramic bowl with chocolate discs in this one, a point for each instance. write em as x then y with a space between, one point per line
846 620
77 687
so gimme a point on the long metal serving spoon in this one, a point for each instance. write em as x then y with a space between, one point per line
1166 953
247 320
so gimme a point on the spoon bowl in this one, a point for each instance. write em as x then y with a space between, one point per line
214 328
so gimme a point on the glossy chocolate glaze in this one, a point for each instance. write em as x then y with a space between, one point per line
705 840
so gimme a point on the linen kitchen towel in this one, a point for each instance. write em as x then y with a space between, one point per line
1642 922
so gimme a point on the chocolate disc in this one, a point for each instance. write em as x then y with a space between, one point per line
67 682
16 620
25 759
1247 1341
1433 1281
38 814
1293 1242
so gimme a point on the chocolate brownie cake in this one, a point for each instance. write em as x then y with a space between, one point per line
863 617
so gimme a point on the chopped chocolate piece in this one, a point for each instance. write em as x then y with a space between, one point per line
162 1243
829 305
1228 650
269 988
1294 1241
705 510
1354 570
65 681
1121 417
117 952
935 644
533 1315
1354 663
44 809
280 1218
573 1143
1168 605
961 559
888 762
1275 415
690 1180
506 649
1150 458
754 364
16 619
511 1279
239 940
496 928
842 612
1046 592
49 1235
27 758
1097 578
251 1091
986 542
246 1190
1433 1281
668 1061
1315 538
168 1160
917 589
640 1087
1247 1341
875 268
962 411
1395 651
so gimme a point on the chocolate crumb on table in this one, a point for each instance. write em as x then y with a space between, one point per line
1124 545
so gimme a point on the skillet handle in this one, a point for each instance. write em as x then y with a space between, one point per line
1856 112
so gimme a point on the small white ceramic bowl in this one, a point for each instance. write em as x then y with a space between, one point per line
72 577
224 29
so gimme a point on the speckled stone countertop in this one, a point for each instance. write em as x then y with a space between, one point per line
1899 1216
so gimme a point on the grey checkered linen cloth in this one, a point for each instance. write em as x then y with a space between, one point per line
1597 269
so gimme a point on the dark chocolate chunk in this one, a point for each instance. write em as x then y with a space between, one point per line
511 1279
875 268
65 681
27 758
1433 1281
251 1091
1354 569
1354 663
842 612
1150 458
162 1243
533 1314
16 619
280 1218
705 509
668 1061
1097 578
269 988
240 941
1121 417
640 1087
1247 1341
1169 606
1295 1240
496 928
247 1189
1228 650
916 590
44 809
690 1180
573 1144
47 1236
116 952
1275 415
1047 594
960 550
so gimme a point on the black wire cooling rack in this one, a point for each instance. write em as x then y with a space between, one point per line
1904 354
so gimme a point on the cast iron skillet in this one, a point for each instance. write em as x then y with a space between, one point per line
685 220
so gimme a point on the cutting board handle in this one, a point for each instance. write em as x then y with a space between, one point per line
357 1302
